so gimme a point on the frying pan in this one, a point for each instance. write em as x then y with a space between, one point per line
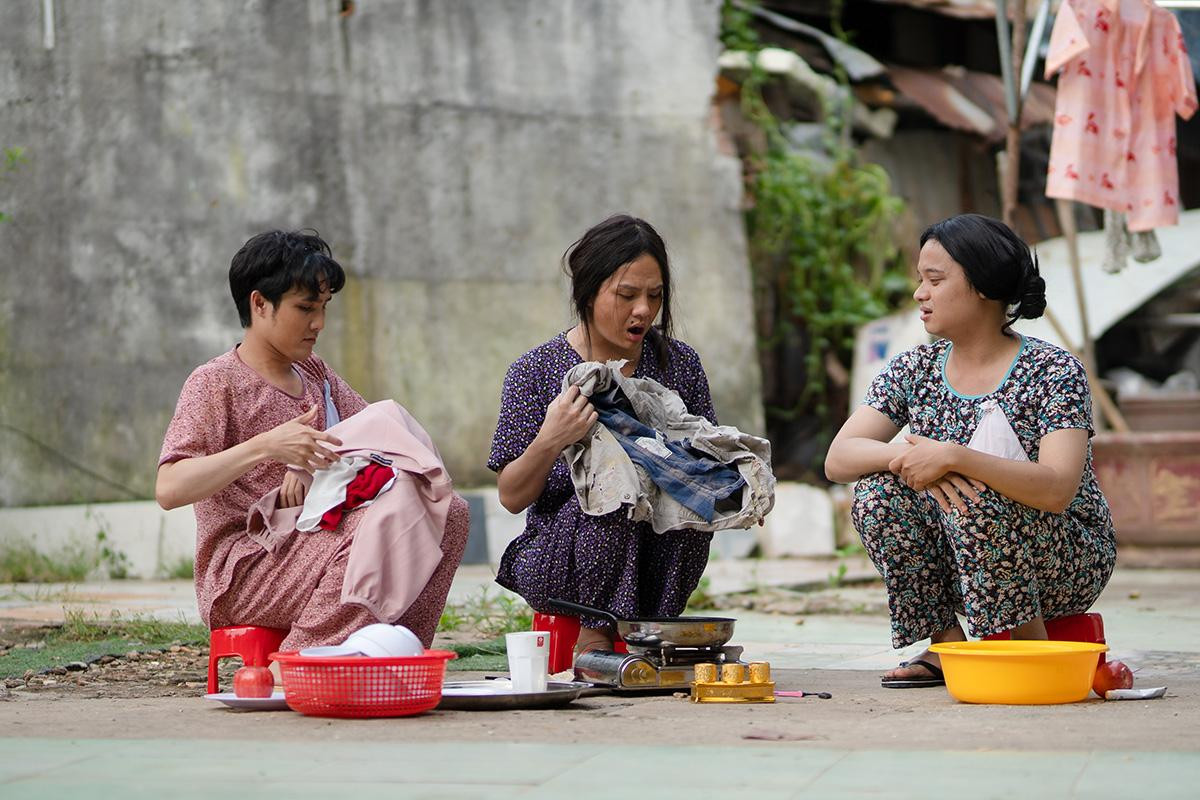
656 632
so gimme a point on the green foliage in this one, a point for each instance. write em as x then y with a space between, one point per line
487 614
22 562
183 569
13 158
835 578
737 33
701 597
113 561
821 228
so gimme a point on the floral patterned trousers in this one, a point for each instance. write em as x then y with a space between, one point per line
1000 563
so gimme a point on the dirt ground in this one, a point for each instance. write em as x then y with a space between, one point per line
159 694
178 671
860 715
1153 622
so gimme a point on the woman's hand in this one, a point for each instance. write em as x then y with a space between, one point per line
923 463
953 490
291 491
297 444
569 417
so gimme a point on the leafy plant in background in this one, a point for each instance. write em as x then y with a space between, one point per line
487 614
13 158
821 233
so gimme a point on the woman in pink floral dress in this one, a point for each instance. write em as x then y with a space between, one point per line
246 415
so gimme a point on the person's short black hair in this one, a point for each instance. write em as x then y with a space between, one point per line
276 262
998 264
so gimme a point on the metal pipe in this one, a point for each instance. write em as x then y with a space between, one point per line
1031 49
48 24
1006 66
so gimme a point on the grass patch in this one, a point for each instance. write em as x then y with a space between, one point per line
22 562
489 615
183 569
80 626
17 661
85 637
702 597
486 656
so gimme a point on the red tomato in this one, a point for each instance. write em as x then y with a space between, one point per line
1112 675
253 682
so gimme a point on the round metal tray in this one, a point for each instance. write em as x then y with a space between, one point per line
499 696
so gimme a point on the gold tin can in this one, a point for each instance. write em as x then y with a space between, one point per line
760 672
706 673
733 673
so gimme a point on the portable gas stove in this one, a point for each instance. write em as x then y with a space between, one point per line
651 668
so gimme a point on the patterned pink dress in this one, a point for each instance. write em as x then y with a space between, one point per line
224 403
1125 75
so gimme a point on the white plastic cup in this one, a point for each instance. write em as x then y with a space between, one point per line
528 660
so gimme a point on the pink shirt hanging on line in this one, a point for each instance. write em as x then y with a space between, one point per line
1125 75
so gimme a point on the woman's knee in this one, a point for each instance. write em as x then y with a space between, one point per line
458 525
878 498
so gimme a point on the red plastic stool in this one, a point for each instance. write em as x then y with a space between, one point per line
251 642
1075 628
564 632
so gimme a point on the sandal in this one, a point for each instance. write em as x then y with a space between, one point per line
936 677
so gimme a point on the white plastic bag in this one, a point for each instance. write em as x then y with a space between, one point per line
994 435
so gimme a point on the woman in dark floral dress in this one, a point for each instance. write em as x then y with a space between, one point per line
1008 542
620 282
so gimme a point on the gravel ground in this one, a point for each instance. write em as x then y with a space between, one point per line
176 671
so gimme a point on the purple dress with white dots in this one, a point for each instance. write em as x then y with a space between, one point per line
607 562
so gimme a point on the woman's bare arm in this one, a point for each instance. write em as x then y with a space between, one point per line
1048 484
863 445
180 483
568 419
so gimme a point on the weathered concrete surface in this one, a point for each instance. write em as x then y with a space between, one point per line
450 151
859 716
863 742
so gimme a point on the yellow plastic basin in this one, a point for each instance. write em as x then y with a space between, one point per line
1019 672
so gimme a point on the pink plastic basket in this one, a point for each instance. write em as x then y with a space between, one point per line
358 686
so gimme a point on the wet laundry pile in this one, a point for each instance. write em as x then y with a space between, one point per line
648 454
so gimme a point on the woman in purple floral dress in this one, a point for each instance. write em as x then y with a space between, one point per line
620 284
1008 540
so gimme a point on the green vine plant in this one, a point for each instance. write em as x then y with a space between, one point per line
13 158
821 230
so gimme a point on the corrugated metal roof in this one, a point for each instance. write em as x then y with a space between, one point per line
963 9
970 101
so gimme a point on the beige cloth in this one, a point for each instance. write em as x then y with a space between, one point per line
606 479
397 546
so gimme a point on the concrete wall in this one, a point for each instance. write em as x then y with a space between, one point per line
153 543
449 151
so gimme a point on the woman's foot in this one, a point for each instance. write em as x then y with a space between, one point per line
594 639
920 672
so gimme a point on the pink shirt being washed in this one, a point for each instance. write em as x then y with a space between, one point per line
223 403
1125 75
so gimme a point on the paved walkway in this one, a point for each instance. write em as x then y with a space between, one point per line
865 742
132 769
